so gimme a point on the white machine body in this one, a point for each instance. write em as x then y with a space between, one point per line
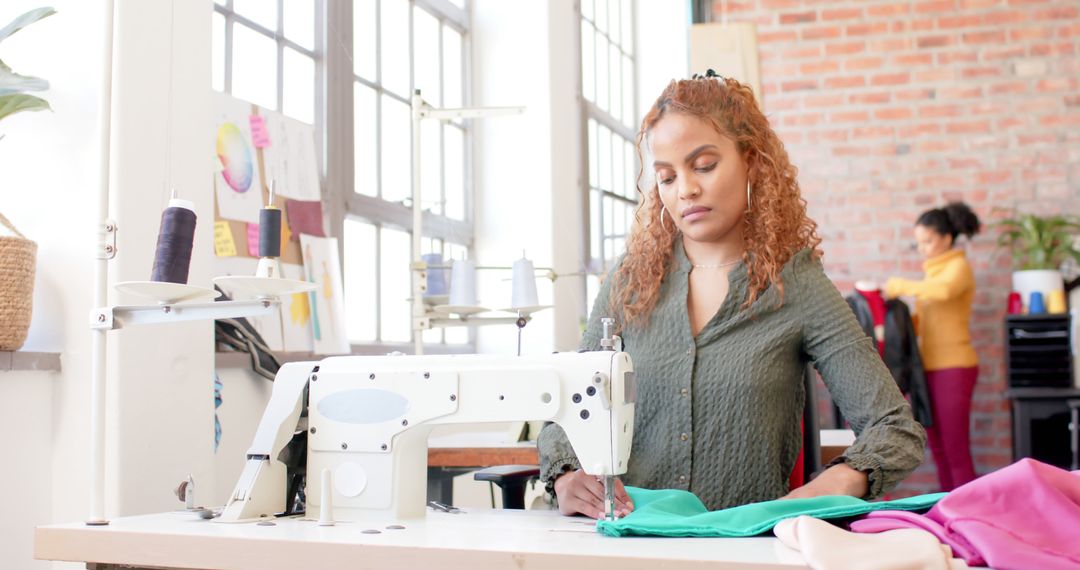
369 418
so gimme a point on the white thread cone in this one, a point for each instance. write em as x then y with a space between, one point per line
524 285
463 283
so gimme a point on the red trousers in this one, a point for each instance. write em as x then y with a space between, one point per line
950 442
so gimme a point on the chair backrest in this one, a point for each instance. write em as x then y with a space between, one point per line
809 460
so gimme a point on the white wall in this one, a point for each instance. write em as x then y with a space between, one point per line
48 161
160 397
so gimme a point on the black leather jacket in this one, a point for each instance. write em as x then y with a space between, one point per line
901 356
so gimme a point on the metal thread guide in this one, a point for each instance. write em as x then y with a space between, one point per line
609 341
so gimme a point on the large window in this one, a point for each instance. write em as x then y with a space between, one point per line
401 46
264 52
360 60
609 108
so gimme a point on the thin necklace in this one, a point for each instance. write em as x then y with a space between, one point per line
717 265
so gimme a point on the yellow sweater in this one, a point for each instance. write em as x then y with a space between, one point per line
943 307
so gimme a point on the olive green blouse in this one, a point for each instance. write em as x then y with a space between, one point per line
719 414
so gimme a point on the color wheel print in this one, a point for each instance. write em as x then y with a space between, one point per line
236 158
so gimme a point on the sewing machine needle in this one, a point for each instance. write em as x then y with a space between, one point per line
609 497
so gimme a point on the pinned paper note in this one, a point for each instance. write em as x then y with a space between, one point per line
286 234
259 135
237 182
327 301
305 217
253 240
291 159
224 246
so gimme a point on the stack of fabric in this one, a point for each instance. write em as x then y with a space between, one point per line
1026 515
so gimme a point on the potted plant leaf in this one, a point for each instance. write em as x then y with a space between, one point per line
14 87
18 255
1040 245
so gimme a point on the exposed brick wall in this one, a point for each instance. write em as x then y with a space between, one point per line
892 107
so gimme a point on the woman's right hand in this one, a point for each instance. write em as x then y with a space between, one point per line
581 493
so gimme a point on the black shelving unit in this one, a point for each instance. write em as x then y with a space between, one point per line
1039 368
1038 351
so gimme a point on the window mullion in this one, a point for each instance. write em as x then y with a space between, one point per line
334 96
228 51
279 38
378 283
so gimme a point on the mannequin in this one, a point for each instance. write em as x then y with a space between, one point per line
889 323
867 285
872 293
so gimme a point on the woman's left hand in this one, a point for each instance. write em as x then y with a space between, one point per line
839 479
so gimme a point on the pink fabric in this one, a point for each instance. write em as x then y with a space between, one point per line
1026 515
949 437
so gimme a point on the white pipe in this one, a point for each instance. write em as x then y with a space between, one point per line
101 283
418 310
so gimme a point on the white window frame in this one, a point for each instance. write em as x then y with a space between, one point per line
278 35
333 105
342 202
596 263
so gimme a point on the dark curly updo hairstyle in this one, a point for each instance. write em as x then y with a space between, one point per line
955 219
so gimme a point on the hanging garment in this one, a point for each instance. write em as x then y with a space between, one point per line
828 547
673 512
1026 515
901 352
876 303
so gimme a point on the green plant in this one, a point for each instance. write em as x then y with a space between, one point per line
13 87
1040 242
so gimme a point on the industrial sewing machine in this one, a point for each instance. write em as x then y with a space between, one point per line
369 418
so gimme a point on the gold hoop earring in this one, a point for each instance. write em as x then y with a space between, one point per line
748 194
663 209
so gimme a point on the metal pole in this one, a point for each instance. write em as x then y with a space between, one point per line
418 310
101 283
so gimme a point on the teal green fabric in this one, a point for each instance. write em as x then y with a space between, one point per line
672 512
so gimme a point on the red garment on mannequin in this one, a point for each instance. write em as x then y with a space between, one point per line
877 312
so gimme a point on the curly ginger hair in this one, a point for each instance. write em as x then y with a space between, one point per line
775 226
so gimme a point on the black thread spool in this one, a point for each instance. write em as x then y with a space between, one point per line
269 232
172 257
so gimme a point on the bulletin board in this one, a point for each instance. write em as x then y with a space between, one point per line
253 147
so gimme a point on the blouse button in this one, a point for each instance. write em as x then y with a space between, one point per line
684 437
684 392
682 478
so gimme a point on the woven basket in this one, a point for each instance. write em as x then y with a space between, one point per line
17 263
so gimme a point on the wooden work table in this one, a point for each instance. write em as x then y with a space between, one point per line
488 449
475 539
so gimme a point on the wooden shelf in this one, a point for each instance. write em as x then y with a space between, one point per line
29 361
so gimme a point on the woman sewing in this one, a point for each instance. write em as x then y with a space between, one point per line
721 300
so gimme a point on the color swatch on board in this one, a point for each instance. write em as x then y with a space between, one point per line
237 160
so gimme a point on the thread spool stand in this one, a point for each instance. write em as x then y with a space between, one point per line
172 257
423 316
267 281
445 315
